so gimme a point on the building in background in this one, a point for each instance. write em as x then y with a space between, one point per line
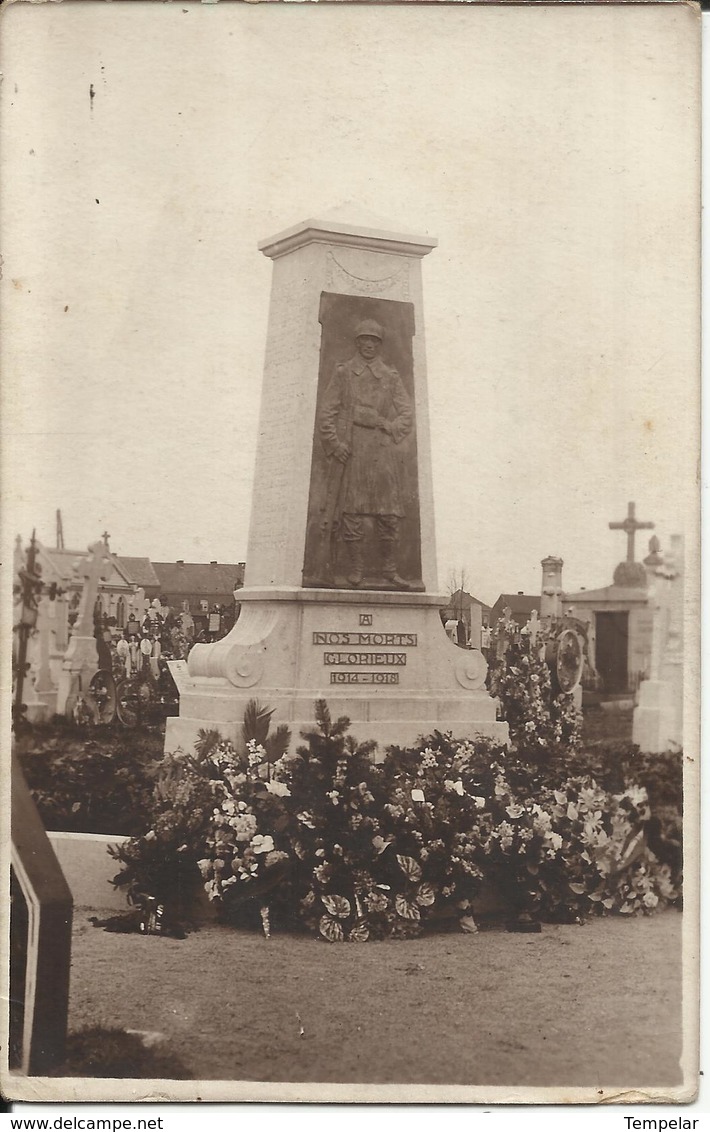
208 589
471 614
521 606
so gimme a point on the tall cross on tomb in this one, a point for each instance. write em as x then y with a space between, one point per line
631 525
95 569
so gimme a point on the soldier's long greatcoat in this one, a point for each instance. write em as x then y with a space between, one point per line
361 396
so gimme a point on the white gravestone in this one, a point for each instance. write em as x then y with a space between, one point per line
314 624
476 626
658 716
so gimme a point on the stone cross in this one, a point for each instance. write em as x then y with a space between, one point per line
94 569
533 627
631 524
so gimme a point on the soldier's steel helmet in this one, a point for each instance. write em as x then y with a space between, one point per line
368 327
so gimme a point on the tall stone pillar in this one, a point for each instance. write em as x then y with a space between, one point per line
551 592
341 598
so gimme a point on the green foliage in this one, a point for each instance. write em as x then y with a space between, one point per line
99 783
216 815
161 863
341 881
356 850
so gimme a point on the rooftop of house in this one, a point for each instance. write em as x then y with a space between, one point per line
139 570
518 603
199 577
462 598
62 562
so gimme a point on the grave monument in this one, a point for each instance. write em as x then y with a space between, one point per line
81 659
658 715
341 598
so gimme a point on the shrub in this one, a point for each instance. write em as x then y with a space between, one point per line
346 884
216 814
161 863
99 782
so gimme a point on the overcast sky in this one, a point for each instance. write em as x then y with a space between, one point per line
148 147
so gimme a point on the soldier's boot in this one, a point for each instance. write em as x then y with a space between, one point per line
356 567
389 567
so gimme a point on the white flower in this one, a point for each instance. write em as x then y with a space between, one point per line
262 844
280 789
454 787
418 796
244 826
255 753
334 797
480 803
636 794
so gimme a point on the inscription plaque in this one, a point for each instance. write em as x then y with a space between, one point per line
378 659
364 677
388 640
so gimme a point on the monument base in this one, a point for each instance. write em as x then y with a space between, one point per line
382 659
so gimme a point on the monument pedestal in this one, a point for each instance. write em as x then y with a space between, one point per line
383 659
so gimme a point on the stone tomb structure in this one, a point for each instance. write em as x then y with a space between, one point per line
340 598
619 616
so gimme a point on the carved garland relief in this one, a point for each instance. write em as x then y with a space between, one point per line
341 278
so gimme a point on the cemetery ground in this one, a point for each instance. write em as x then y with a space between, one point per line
595 1005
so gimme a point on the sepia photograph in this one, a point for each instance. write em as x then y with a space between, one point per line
350 527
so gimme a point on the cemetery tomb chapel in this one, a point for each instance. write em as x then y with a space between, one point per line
619 615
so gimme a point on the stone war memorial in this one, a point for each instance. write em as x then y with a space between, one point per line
340 598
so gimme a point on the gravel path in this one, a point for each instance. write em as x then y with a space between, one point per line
597 1005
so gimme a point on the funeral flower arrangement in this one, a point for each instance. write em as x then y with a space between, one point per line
219 810
356 850
540 721
242 858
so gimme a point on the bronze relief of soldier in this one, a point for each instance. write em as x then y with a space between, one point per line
364 414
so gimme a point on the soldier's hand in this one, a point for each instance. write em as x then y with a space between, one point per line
385 425
342 453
